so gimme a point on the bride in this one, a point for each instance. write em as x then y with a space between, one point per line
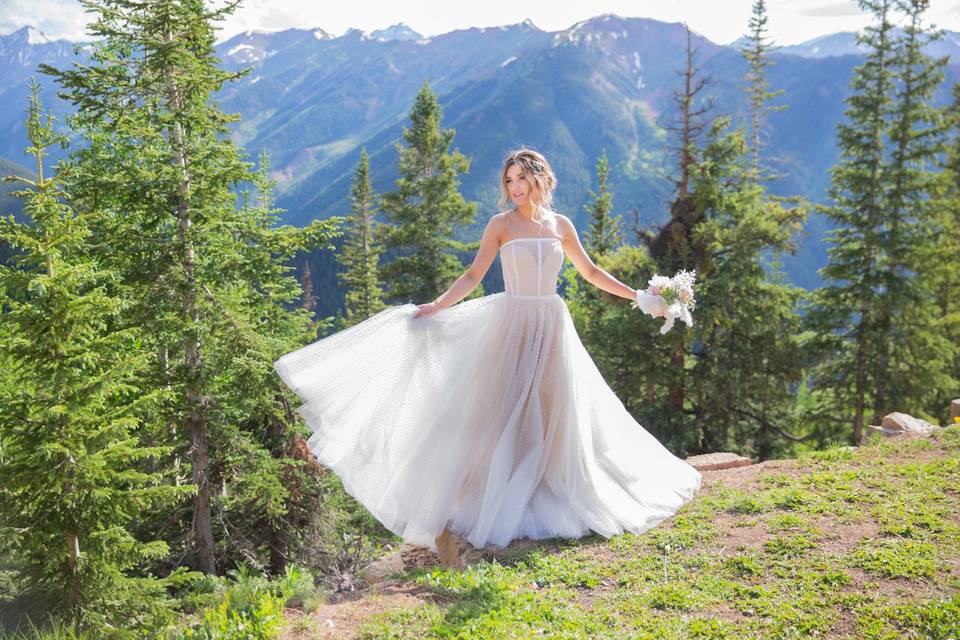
488 420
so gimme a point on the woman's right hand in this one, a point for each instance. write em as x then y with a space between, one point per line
427 309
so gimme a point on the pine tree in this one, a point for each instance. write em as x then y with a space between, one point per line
745 345
603 234
727 382
875 320
72 429
207 275
360 255
673 246
586 302
844 313
910 370
260 448
757 53
944 274
425 208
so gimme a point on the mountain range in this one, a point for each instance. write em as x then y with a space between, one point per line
312 100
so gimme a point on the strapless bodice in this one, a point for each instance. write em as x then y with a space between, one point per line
531 266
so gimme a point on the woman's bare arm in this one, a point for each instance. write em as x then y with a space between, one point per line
468 281
590 271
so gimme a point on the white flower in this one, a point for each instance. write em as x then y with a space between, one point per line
676 299
659 281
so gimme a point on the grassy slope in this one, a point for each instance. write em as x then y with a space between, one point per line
861 543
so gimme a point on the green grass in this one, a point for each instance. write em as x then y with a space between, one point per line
858 543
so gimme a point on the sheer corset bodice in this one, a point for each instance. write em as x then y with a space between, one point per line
530 266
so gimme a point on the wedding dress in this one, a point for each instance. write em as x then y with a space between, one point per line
488 416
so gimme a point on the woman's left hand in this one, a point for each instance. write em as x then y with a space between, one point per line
427 309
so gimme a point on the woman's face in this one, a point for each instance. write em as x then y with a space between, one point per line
519 188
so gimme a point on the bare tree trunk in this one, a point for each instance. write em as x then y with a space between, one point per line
72 540
677 360
860 383
279 534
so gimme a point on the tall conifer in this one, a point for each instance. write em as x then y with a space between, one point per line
360 255
910 370
844 313
72 428
425 209
603 233
944 272
756 50
206 273
875 320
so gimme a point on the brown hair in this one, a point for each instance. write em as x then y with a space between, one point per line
536 169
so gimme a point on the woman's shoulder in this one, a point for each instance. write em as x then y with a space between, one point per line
562 221
498 220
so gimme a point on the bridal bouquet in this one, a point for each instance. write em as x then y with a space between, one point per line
675 299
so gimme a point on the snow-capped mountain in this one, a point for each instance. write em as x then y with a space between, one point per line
312 100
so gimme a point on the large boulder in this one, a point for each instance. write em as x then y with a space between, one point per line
900 424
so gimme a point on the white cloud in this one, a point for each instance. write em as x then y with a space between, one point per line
56 18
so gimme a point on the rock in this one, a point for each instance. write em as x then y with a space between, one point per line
954 411
380 568
905 423
902 424
876 429
720 460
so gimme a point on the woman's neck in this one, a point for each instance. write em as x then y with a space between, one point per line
526 210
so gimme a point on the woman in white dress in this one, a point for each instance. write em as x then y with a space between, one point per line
488 419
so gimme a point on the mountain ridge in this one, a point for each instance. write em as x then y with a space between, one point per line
312 100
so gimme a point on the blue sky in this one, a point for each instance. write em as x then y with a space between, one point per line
722 21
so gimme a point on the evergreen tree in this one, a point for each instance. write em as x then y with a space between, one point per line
911 368
603 234
207 276
673 246
757 53
727 382
875 320
844 313
740 361
746 354
72 478
260 451
360 255
944 274
586 302
425 208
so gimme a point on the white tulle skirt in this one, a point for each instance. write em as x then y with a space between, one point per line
489 417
